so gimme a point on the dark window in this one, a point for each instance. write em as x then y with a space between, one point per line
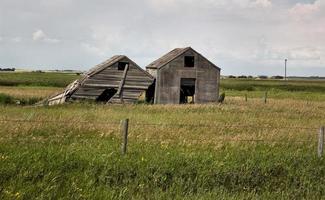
122 65
189 61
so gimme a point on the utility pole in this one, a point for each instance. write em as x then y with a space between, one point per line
285 69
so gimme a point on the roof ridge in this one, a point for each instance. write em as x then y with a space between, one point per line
99 67
163 60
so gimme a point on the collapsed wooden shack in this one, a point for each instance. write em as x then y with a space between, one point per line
117 80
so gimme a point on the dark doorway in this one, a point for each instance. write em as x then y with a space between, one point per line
187 90
150 93
106 95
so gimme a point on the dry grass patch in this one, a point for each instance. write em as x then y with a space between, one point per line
28 92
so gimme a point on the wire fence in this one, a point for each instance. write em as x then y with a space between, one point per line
224 132
162 124
150 134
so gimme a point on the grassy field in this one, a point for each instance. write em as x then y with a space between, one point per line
234 150
36 79
310 90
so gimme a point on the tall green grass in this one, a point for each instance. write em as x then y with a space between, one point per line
74 151
93 168
9 100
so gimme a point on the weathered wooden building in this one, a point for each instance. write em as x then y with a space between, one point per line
184 76
117 80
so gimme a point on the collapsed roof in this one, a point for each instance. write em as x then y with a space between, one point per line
116 80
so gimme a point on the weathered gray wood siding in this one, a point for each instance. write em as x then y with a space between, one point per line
169 76
137 81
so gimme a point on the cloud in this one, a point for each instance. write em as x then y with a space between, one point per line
227 32
39 35
92 49
16 39
261 3
302 11
305 53
167 5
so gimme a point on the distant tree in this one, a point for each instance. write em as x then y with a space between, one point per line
231 76
262 77
277 77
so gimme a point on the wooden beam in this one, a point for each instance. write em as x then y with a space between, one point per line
120 88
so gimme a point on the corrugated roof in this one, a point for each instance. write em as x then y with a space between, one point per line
167 58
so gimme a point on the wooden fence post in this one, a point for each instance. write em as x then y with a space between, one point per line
265 97
321 141
124 132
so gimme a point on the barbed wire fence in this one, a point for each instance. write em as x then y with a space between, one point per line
124 127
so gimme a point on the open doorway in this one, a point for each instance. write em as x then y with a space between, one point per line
106 95
150 93
187 90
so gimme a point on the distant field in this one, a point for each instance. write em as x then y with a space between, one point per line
234 150
311 90
51 79
29 91
273 85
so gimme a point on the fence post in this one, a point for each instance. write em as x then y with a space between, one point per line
321 141
265 97
246 97
124 132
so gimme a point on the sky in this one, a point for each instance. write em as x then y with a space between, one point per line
242 37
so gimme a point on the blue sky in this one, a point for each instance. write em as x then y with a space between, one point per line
251 37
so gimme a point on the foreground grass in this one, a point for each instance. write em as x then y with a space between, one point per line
175 152
92 168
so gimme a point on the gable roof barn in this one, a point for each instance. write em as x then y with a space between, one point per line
115 80
184 76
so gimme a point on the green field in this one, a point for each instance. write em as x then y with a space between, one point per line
234 150
36 79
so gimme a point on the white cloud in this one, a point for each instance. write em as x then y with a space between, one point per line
39 35
306 53
306 10
164 5
16 39
226 31
51 40
92 49
261 3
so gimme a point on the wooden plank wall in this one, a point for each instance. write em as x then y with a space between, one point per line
137 81
168 80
